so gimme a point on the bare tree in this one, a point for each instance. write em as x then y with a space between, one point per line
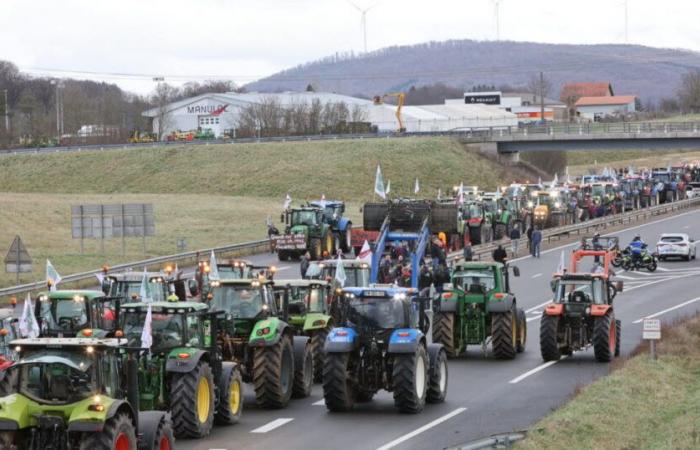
689 92
161 99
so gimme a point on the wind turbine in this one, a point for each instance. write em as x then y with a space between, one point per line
363 19
626 3
497 14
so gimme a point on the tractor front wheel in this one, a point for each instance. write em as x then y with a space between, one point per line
604 337
346 243
118 433
318 341
549 343
504 334
303 369
230 404
410 376
338 389
444 332
192 402
273 374
437 382
522 331
618 335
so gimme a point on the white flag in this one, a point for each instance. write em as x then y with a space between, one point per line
416 187
28 326
379 184
555 181
287 202
388 187
439 193
539 181
365 253
460 194
213 268
52 276
100 277
146 334
145 290
340 272
562 263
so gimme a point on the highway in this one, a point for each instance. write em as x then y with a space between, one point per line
485 396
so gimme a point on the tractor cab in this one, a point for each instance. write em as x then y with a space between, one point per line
233 269
304 296
173 325
243 302
377 310
66 313
128 286
332 209
357 273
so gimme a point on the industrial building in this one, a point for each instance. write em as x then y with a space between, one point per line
220 112
526 107
597 108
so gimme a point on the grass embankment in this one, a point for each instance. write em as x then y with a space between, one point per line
581 161
210 195
643 404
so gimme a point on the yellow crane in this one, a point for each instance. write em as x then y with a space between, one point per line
401 97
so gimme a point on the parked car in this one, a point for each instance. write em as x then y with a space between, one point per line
692 190
672 245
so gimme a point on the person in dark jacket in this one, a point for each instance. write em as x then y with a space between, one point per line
529 238
514 240
304 264
467 252
500 255
536 242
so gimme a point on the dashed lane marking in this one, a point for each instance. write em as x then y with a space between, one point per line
534 371
319 403
530 319
535 308
422 429
668 310
272 425
537 275
625 277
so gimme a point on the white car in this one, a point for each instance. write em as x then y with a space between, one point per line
692 190
672 245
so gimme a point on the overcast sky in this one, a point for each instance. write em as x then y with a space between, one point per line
130 41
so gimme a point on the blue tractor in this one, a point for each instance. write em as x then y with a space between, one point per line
381 342
341 226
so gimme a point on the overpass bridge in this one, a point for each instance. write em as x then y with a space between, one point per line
509 142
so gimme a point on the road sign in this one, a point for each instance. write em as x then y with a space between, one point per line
651 329
18 259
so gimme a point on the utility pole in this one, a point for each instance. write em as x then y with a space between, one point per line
542 96
497 12
627 41
7 115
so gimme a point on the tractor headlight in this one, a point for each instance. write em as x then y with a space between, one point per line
557 205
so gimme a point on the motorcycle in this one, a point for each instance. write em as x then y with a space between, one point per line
646 260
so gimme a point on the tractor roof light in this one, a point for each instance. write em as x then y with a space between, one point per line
87 332
4 332
78 298
90 349
183 355
119 334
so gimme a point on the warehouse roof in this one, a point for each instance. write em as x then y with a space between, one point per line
598 101
578 90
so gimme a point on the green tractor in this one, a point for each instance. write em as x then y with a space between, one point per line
305 230
184 373
128 286
254 333
307 302
66 313
68 395
478 308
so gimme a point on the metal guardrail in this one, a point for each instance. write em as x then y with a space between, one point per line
476 134
245 248
483 251
479 251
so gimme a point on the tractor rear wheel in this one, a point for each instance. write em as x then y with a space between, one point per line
604 337
444 332
346 241
118 433
273 374
437 381
329 243
318 341
618 335
504 334
338 390
549 343
410 381
230 405
165 439
522 331
192 402
315 249
303 372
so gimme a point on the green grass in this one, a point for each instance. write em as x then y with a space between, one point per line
344 169
644 404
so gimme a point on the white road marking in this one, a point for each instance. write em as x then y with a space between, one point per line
663 269
686 227
624 277
530 319
319 403
643 273
668 310
272 425
537 275
422 429
534 371
284 268
657 281
534 308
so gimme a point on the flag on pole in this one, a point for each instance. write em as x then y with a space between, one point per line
100 277
539 181
416 187
213 268
146 333
145 290
287 202
365 253
439 193
52 276
340 272
562 263
555 181
460 194
379 184
388 187
28 326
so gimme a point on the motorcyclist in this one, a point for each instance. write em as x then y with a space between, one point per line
637 247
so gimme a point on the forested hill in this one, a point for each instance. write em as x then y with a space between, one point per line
651 73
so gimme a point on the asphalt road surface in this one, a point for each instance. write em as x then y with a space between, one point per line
485 396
